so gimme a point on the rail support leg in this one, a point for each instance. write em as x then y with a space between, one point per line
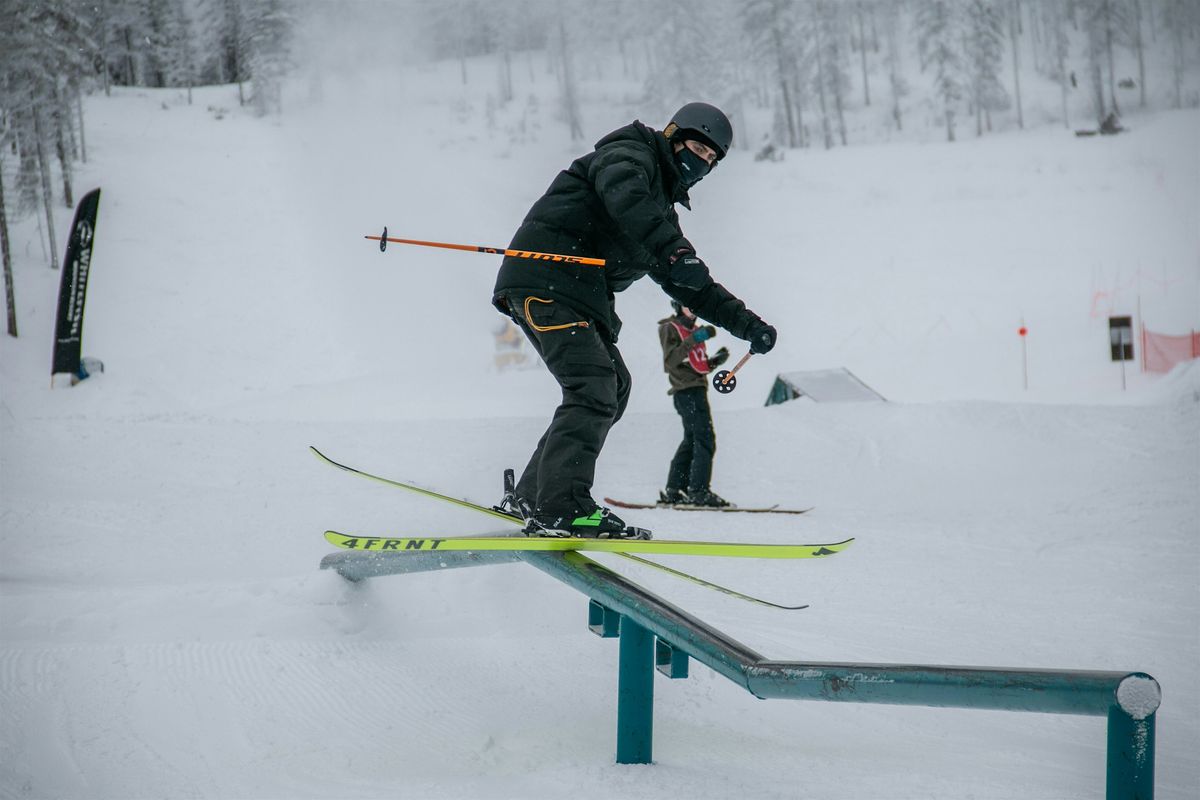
1130 756
635 694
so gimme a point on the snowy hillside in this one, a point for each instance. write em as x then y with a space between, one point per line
165 631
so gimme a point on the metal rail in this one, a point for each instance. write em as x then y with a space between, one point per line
654 633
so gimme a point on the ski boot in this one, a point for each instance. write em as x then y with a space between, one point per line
671 497
601 523
705 498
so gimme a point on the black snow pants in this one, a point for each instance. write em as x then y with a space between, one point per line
691 468
595 389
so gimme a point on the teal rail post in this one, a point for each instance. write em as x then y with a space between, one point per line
1130 753
635 694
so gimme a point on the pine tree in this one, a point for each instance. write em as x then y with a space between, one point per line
224 21
1105 21
937 28
158 43
691 61
864 10
897 83
168 50
564 49
829 26
268 29
984 45
772 29
1181 18
124 33
1014 30
42 51
1057 45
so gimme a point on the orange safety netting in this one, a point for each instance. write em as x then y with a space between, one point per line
1161 352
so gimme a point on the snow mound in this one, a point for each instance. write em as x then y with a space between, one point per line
1179 388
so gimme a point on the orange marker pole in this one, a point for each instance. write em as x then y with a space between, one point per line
1023 331
503 251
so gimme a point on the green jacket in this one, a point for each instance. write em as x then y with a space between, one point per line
683 356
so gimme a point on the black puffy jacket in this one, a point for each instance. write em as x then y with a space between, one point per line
615 203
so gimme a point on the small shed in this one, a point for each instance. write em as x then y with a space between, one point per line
822 386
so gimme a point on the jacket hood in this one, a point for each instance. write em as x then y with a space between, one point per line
634 131
647 136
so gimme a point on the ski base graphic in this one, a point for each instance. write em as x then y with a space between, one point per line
561 544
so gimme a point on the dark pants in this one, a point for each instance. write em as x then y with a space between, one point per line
691 468
595 389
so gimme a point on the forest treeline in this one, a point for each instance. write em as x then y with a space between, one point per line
808 62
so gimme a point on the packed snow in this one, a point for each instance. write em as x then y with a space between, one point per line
166 631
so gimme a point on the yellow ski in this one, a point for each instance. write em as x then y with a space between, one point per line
660 547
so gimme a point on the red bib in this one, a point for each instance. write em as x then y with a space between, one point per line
697 354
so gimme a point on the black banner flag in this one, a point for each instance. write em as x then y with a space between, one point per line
68 332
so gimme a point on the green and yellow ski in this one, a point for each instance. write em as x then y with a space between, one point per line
661 547
379 544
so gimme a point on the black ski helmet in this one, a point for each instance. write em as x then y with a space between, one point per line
703 122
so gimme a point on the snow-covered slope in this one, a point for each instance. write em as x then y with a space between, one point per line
164 630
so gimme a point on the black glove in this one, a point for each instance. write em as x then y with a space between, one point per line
687 270
703 334
761 337
719 358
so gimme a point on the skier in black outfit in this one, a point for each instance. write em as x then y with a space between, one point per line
615 203
687 364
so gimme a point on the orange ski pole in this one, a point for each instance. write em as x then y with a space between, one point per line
503 251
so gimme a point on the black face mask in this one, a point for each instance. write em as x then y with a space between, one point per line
691 166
